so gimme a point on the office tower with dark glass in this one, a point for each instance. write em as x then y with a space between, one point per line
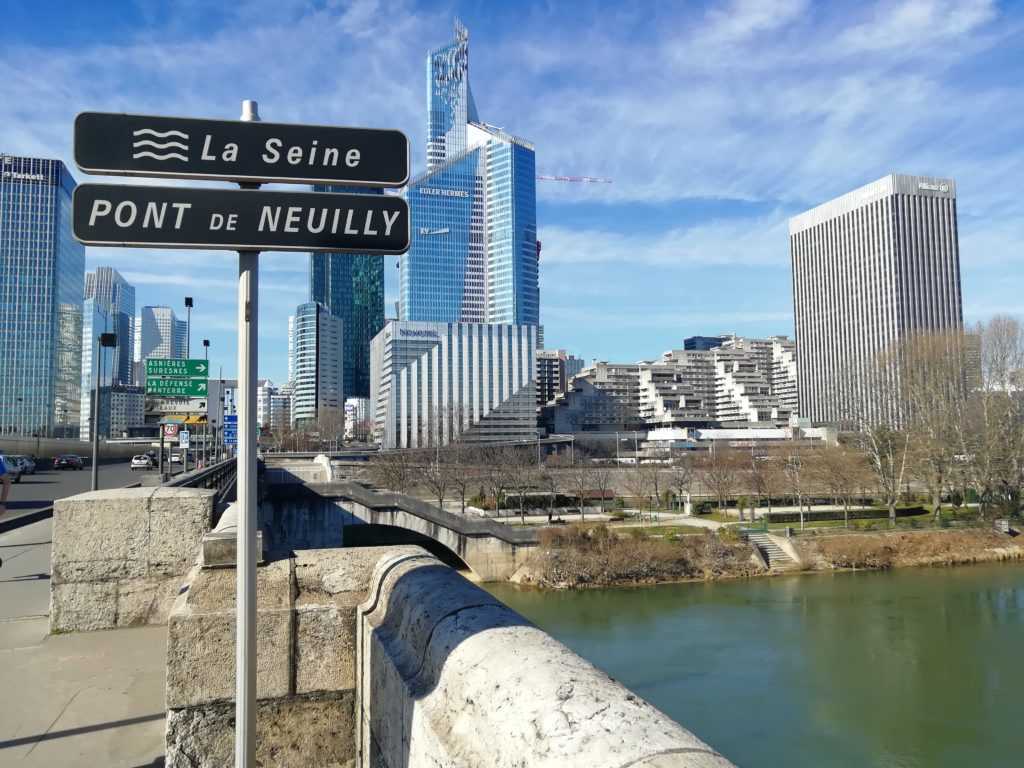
870 268
42 271
474 252
351 286
115 298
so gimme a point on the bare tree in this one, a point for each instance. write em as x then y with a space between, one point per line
459 459
393 470
991 440
638 485
434 474
933 395
522 474
579 478
794 469
330 427
841 471
720 471
495 473
548 479
887 450
680 475
601 480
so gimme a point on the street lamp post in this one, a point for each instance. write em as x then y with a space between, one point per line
105 340
188 326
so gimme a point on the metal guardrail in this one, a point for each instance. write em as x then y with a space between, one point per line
220 477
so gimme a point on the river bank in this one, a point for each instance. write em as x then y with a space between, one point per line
591 556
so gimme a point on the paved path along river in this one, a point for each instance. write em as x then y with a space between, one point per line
915 668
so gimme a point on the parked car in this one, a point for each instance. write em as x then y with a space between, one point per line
13 469
68 461
26 463
175 457
141 462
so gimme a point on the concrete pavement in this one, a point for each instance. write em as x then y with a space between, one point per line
82 699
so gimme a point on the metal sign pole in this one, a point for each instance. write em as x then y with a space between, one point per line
245 626
94 484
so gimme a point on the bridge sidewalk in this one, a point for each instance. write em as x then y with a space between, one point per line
88 699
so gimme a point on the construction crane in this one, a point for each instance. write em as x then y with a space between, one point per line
584 179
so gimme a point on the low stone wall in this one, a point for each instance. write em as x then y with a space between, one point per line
450 676
306 646
118 555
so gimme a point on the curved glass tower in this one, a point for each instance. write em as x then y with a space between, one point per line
474 252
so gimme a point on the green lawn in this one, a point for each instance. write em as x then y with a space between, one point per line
925 520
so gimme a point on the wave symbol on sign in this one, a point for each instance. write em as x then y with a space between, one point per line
167 149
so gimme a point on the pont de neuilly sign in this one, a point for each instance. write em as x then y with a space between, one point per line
239 151
229 219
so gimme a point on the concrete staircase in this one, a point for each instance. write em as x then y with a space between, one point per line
774 555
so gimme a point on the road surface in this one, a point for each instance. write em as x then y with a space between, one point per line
38 491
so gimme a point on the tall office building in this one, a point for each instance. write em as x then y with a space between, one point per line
870 268
116 298
318 394
351 286
432 382
41 286
98 363
161 333
474 253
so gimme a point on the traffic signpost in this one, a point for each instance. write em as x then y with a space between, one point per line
171 366
231 430
233 220
239 150
251 153
175 387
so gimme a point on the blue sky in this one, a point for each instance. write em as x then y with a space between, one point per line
717 121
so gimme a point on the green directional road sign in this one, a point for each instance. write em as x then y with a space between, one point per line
176 387
166 366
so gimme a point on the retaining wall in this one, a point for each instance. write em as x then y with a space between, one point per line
305 676
118 555
450 676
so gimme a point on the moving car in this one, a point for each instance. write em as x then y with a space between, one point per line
68 461
141 462
175 457
25 463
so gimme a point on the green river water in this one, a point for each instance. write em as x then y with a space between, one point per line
912 668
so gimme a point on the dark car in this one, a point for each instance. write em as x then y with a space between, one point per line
68 461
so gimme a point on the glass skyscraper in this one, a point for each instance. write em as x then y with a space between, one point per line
317 385
115 297
42 270
351 286
474 252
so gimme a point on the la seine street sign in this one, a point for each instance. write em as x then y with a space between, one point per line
234 150
239 220
169 366
176 387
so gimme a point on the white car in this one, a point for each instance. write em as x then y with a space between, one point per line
141 462
175 457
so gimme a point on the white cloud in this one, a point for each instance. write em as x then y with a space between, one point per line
745 240
910 25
